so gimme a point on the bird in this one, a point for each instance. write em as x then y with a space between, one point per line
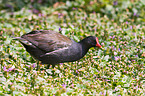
53 48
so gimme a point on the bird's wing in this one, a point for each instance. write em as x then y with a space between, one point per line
47 40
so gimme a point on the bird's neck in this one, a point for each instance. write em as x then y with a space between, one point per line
84 48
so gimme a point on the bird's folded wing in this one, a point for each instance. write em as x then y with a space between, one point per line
47 40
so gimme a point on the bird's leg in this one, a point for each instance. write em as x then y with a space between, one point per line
76 67
77 63
53 70
38 67
58 66
53 66
48 66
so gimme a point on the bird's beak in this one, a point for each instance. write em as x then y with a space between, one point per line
98 45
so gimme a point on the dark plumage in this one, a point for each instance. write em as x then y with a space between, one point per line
51 47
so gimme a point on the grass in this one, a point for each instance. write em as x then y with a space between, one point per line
117 70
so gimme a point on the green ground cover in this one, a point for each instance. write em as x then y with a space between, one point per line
117 70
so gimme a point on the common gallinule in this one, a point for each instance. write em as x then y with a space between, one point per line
51 47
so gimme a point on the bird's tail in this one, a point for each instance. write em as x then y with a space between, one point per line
22 40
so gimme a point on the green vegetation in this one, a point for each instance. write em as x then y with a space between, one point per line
118 70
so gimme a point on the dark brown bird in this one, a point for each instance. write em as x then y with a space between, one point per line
51 47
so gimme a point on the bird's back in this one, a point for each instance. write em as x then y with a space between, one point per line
47 40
